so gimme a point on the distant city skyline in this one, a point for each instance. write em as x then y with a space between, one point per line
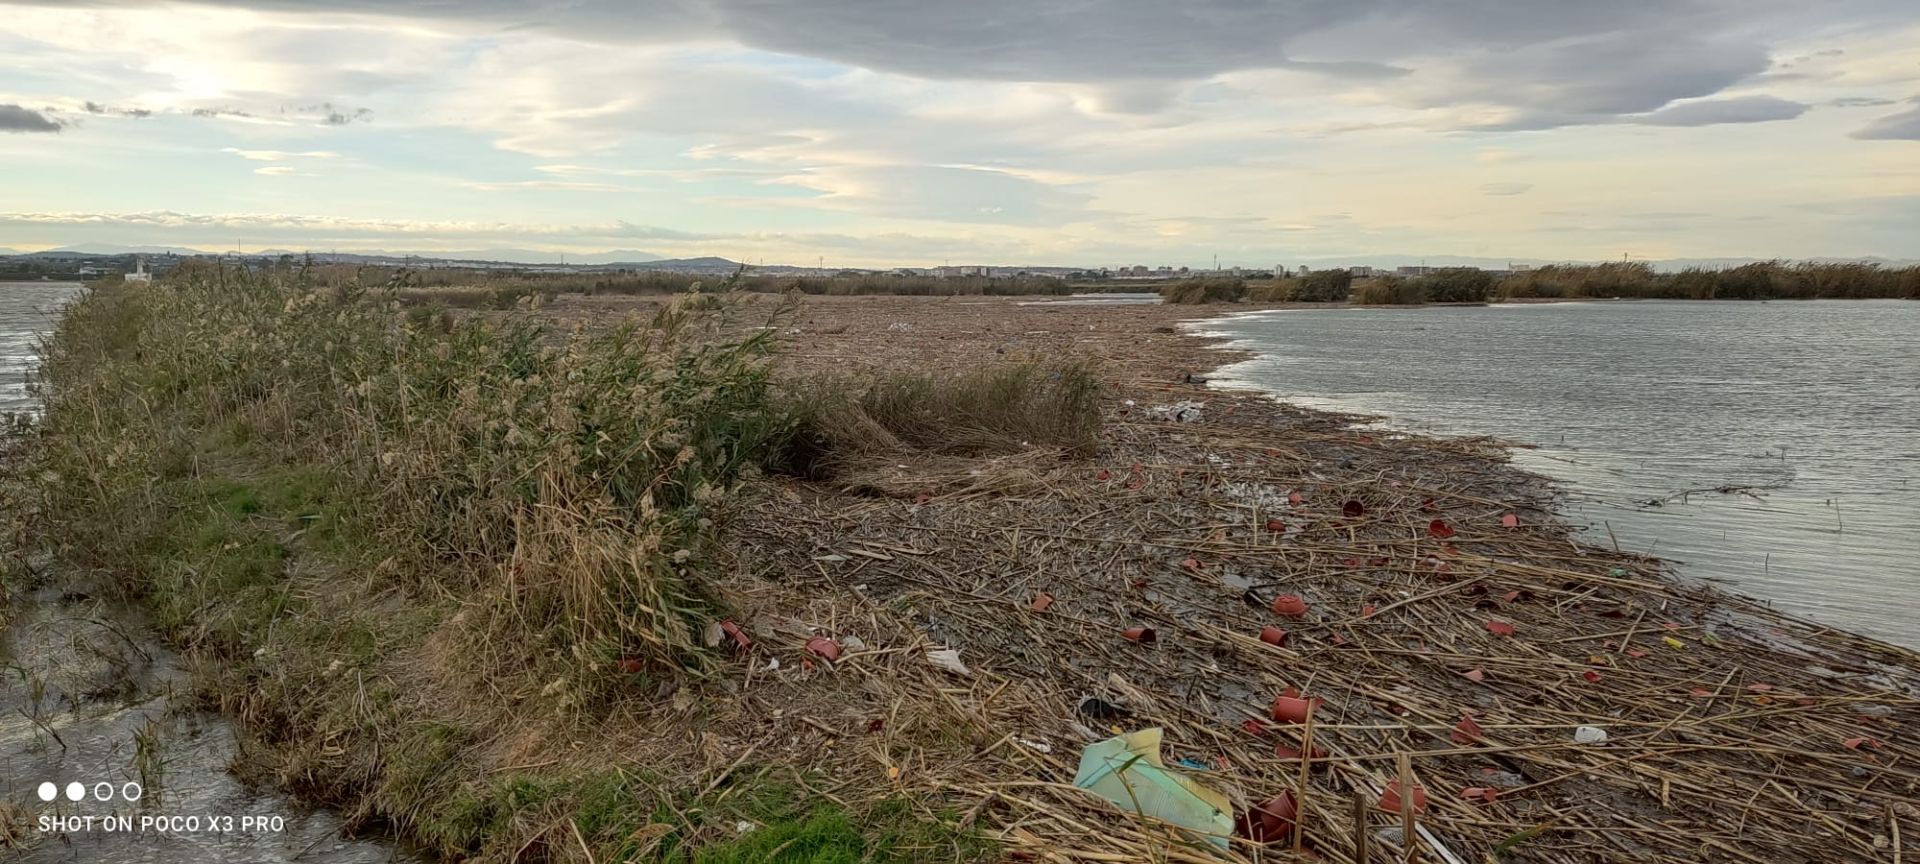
998 132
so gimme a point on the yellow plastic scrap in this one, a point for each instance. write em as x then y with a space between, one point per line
1673 643
1127 771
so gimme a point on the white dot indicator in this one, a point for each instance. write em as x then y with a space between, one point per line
76 791
48 791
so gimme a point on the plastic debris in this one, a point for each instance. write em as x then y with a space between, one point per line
1466 731
852 643
1510 521
1589 735
823 648
739 636
1439 529
1474 675
1273 636
1142 635
1041 603
1271 821
1483 793
1040 746
1289 708
1499 628
1127 771
1102 711
1289 605
1186 411
1353 509
948 659
1390 799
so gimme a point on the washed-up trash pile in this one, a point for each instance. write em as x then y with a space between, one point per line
1262 635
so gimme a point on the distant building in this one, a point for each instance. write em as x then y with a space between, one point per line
139 273
1303 270
1362 271
1415 270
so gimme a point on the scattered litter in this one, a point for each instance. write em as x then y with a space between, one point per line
823 648
1040 746
1289 605
1142 635
1510 521
833 557
1390 799
1353 509
948 659
852 643
1466 731
1041 603
1270 822
1589 735
900 327
1186 411
1126 770
1102 711
1273 636
743 827
1293 709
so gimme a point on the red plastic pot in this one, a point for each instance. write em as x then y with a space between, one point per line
1273 636
1390 799
1273 819
1142 635
823 648
1293 709
1289 605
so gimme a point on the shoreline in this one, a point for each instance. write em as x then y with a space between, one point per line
1424 604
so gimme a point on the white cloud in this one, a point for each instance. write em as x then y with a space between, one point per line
278 155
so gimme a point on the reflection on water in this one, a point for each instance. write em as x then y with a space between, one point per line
27 310
1813 407
88 696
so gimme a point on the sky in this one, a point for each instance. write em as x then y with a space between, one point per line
894 132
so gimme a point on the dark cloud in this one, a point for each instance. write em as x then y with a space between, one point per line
1861 102
1904 126
14 118
1709 112
108 110
1549 62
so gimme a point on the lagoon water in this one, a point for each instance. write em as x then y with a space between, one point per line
27 311
1813 404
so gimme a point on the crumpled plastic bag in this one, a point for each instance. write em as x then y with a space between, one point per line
1127 771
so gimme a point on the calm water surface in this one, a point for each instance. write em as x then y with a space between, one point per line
1816 404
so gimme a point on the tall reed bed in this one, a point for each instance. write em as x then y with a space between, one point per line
1766 280
571 478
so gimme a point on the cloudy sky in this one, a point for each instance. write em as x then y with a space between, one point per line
872 132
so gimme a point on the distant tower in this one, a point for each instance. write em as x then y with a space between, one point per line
139 273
